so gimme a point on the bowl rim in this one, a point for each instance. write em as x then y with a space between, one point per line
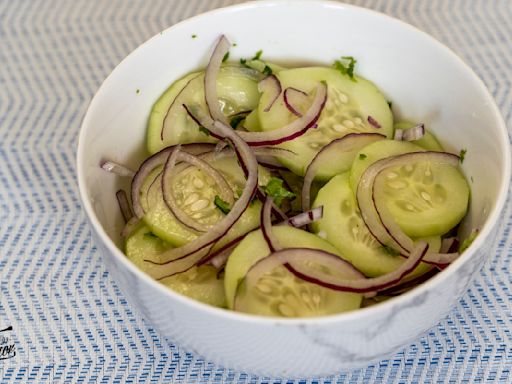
492 221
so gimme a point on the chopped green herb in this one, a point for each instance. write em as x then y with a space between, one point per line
391 251
390 103
346 66
243 62
137 91
194 36
222 205
258 55
226 56
362 156
267 71
235 120
275 189
204 130
462 155
234 44
151 235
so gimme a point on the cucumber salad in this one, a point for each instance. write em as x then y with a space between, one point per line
289 192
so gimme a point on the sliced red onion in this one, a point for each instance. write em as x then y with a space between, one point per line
293 97
210 79
374 123
159 159
124 205
278 213
406 285
130 227
116 168
266 226
305 218
410 134
272 86
449 245
339 152
342 275
168 121
295 129
219 256
382 226
177 259
226 193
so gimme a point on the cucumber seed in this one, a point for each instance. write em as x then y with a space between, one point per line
199 205
349 124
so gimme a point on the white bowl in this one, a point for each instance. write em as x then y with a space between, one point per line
425 81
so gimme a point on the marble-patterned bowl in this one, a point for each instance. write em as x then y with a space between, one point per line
425 81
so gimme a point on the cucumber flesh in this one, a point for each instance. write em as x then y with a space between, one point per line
280 293
195 192
377 151
343 227
349 104
199 283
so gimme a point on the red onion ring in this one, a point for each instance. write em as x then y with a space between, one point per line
156 160
347 146
305 218
210 79
293 96
226 192
266 226
124 205
272 85
374 123
295 259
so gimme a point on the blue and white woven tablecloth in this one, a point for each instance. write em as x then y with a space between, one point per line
70 322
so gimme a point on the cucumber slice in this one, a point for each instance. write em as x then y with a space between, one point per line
260 66
349 103
237 88
252 122
195 192
343 227
425 198
281 293
428 141
199 283
376 151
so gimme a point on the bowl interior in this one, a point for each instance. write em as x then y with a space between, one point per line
424 80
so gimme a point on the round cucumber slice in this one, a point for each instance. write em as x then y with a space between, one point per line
425 198
280 293
349 104
376 151
343 227
428 141
195 193
237 88
199 283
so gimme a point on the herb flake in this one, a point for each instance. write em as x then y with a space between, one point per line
258 54
235 121
194 36
267 71
151 235
204 130
277 191
346 66
362 156
222 205
226 57
462 155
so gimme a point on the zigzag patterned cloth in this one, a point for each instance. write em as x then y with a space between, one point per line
70 322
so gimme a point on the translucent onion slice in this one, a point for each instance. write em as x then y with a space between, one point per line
116 168
342 275
180 259
305 218
410 134
210 79
343 150
226 193
158 159
266 226
124 205
293 97
271 85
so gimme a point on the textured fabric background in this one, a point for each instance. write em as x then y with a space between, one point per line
71 323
